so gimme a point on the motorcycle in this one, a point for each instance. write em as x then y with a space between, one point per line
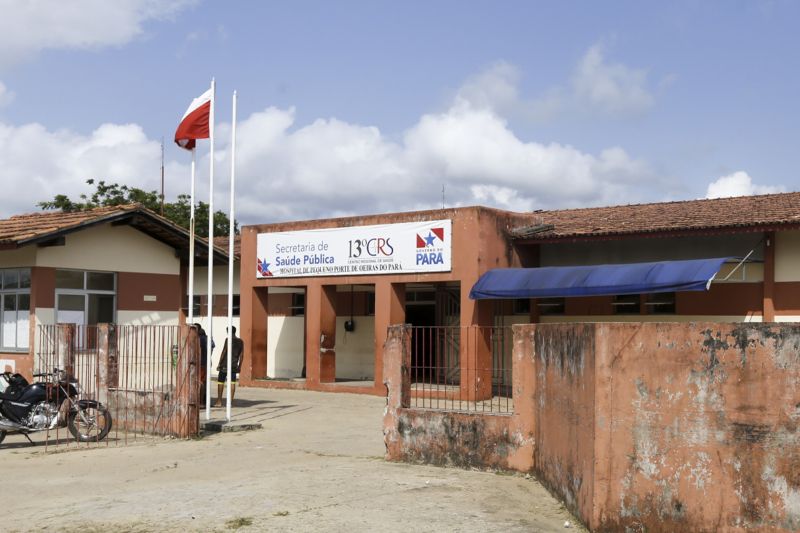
53 402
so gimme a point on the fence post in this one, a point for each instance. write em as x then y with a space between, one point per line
65 348
188 385
102 362
397 379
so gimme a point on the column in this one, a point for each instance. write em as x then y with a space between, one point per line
254 332
390 310
769 277
320 334
476 348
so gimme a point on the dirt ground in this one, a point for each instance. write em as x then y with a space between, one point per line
317 465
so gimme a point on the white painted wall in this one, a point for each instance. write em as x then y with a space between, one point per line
113 249
787 256
45 316
355 350
220 279
635 250
285 346
747 273
22 257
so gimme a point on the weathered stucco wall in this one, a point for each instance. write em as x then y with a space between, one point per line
697 427
563 414
656 427
443 437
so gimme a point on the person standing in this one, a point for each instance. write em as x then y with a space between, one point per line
203 340
222 367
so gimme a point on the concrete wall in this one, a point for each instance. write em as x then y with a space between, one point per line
285 346
696 426
641 426
470 440
219 281
355 350
641 249
479 242
109 248
787 256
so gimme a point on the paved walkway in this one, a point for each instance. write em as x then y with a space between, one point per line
316 465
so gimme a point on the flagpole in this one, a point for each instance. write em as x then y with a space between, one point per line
230 255
191 256
210 293
191 245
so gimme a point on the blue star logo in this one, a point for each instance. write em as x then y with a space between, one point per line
429 239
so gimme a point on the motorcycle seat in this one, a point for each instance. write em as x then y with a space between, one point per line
11 395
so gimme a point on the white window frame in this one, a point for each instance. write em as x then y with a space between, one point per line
25 335
88 292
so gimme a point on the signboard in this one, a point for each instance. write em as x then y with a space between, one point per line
407 248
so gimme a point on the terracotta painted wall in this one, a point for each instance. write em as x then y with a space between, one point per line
642 426
469 440
670 427
701 427
564 409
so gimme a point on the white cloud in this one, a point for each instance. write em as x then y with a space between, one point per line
596 87
610 88
494 88
332 167
38 164
29 27
6 96
739 184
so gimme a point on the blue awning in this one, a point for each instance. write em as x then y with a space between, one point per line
597 280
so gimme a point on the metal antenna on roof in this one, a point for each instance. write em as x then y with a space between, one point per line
442 195
162 176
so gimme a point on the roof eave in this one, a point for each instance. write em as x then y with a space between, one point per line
657 234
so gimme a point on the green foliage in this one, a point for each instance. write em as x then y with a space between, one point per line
112 194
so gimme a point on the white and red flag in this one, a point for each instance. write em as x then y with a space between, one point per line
195 122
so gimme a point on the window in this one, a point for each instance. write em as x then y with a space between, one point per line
298 307
197 307
15 293
627 304
551 306
370 311
522 306
235 305
661 303
85 297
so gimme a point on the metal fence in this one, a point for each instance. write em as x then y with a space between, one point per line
146 376
461 368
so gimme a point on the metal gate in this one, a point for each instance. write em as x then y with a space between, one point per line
147 377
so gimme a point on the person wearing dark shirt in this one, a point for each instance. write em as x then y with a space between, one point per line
236 364
202 338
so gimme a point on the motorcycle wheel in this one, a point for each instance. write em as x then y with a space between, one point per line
2 435
90 424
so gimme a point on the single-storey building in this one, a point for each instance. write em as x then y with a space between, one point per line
317 296
122 265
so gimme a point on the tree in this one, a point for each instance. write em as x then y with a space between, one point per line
178 212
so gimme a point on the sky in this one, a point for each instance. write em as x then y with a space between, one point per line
363 107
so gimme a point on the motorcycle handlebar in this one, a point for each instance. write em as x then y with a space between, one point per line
56 372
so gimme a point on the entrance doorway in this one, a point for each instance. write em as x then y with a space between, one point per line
433 310
355 334
286 333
